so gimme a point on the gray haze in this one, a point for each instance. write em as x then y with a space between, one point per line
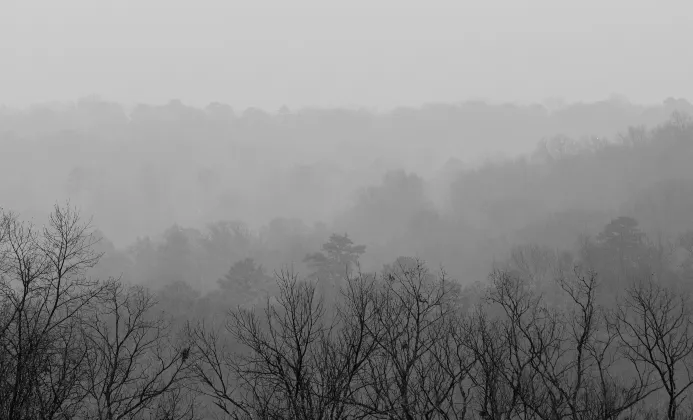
140 171
352 53
367 209
419 128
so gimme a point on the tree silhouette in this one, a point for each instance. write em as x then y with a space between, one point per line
337 260
622 242
244 280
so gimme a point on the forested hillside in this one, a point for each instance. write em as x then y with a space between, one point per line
551 284
138 171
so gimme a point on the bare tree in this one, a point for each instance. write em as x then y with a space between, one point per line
286 365
493 393
587 376
563 361
136 366
214 368
528 331
43 293
379 356
418 370
655 327
347 353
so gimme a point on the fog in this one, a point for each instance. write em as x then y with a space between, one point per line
140 172
379 54
364 210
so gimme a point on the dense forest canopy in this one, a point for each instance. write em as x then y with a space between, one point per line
342 264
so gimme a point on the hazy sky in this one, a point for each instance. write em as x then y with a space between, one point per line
376 53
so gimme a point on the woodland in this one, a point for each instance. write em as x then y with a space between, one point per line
371 279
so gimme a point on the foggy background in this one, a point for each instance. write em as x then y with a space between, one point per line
446 209
379 119
375 54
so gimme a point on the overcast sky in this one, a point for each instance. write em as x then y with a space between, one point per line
374 53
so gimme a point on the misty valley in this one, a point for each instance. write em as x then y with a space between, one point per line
448 261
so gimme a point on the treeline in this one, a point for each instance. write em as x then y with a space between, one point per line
549 200
193 166
585 314
604 333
